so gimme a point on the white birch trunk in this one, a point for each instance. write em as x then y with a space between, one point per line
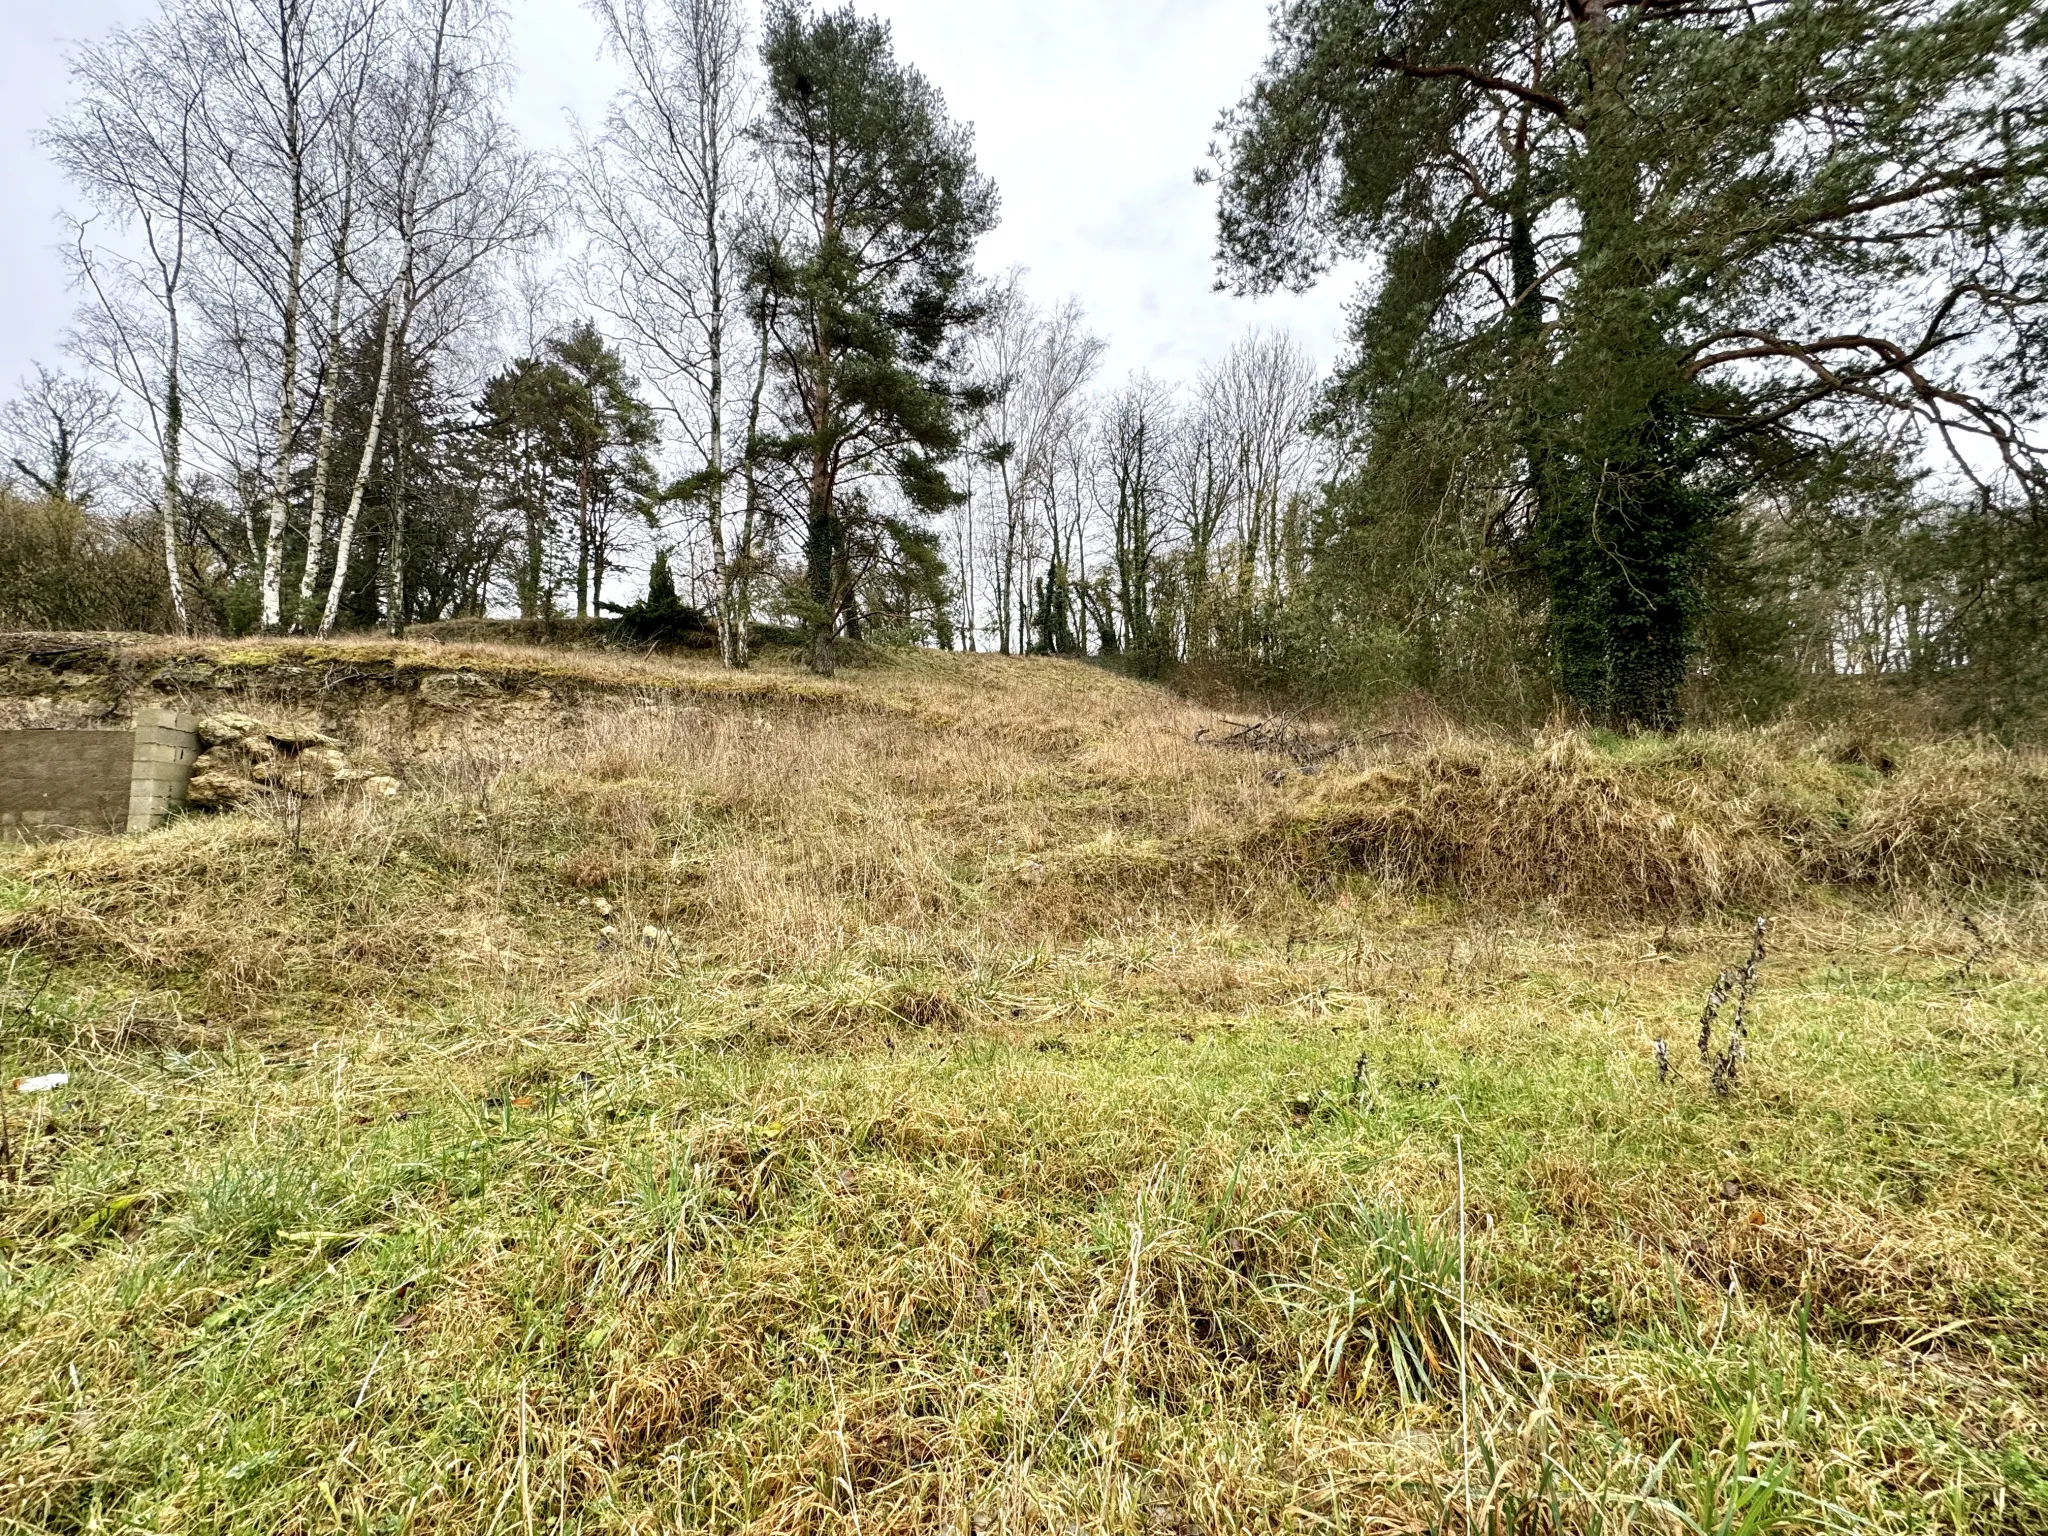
323 451
174 428
287 409
345 535
323 448
741 576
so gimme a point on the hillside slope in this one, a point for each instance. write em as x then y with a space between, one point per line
953 1097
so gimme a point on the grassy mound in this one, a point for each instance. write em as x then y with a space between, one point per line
1685 824
950 1098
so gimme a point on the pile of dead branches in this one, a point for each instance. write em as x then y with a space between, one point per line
1279 735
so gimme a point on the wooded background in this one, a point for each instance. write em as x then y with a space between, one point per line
1696 373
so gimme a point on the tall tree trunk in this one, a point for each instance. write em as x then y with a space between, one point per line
394 569
1247 556
323 447
1008 601
1625 565
535 558
729 645
583 538
742 575
1577 624
174 447
820 561
345 536
288 387
970 616
845 603
323 452
821 552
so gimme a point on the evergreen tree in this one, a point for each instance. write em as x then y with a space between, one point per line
424 477
661 617
1648 259
869 288
900 582
607 431
526 442
567 439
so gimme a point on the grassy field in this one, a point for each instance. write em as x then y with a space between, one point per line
950 1098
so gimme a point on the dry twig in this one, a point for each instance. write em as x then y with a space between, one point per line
1726 1068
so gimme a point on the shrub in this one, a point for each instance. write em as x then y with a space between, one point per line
62 567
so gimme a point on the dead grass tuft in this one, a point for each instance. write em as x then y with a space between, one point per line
1679 827
56 930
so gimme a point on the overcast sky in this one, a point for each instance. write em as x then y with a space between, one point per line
1091 115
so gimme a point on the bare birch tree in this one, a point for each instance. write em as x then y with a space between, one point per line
1036 366
454 190
129 146
275 77
341 236
664 194
1255 403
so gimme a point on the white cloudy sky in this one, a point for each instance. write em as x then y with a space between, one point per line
1090 114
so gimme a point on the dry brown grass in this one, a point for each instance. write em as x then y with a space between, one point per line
1684 825
941 811
930 1101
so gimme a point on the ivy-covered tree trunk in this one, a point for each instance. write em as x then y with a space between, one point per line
173 448
1619 549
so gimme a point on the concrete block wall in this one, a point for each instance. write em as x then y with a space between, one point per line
166 743
53 783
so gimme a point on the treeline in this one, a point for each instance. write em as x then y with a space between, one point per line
1239 527
1158 523
1695 369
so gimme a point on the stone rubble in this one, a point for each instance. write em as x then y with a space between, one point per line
245 760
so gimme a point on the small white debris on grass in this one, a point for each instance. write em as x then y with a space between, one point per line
48 1083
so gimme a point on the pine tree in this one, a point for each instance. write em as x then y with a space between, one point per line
567 441
523 425
1643 260
608 431
869 287
661 617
